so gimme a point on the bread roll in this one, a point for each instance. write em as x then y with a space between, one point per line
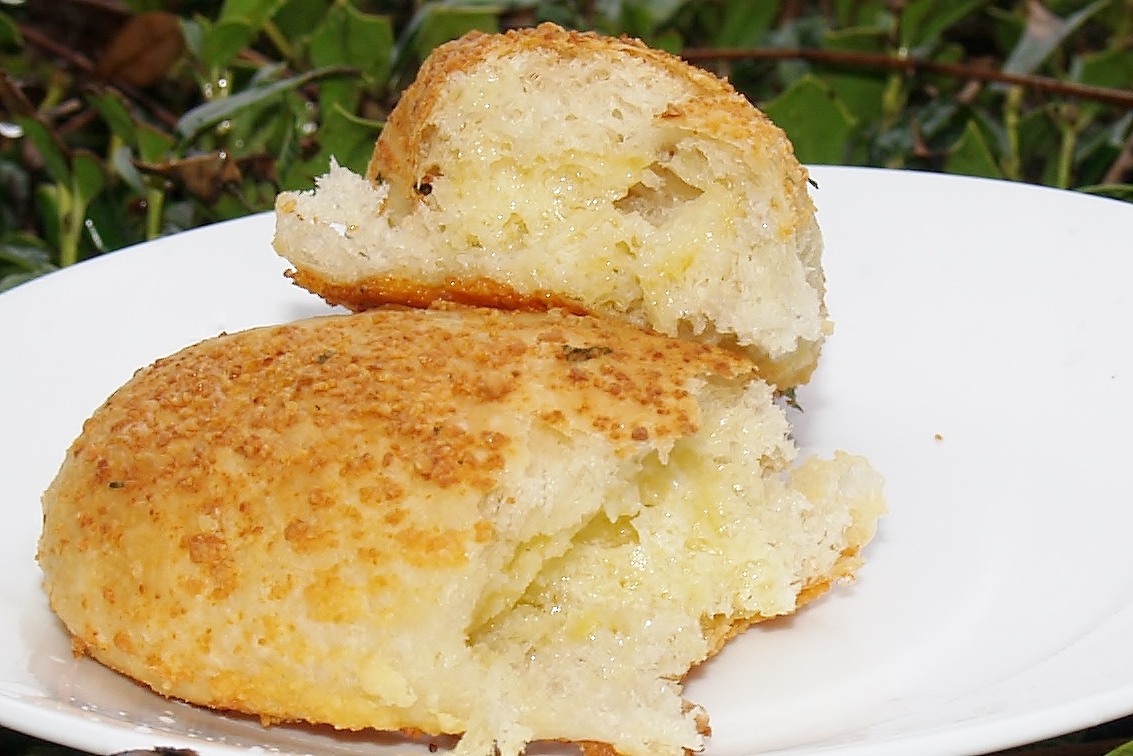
545 167
507 525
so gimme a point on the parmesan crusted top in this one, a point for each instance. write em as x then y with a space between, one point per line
364 408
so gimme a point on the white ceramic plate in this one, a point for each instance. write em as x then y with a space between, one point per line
983 359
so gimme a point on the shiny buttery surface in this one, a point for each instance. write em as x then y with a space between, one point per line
983 359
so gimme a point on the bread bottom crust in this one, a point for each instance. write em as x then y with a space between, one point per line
377 291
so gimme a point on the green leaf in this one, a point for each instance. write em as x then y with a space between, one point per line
349 37
114 112
972 156
923 21
660 12
89 177
106 225
438 25
266 130
255 13
744 23
210 113
297 18
1043 34
353 142
937 119
557 12
993 129
1004 27
818 124
224 41
153 145
49 147
645 17
26 256
194 33
669 41
861 12
1038 139
1099 149
266 74
1109 68
346 138
51 205
237 26
122 163
860 90
10 33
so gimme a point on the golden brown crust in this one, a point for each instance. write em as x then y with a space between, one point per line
719 109
301 443
720 629
591 748
377 291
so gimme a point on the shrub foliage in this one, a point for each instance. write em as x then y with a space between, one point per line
123 120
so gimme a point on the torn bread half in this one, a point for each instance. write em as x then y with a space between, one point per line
509 526
551 168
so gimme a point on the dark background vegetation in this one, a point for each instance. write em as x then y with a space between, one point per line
126 120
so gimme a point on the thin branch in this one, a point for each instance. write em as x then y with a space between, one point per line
1118 97
56 48
83 64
